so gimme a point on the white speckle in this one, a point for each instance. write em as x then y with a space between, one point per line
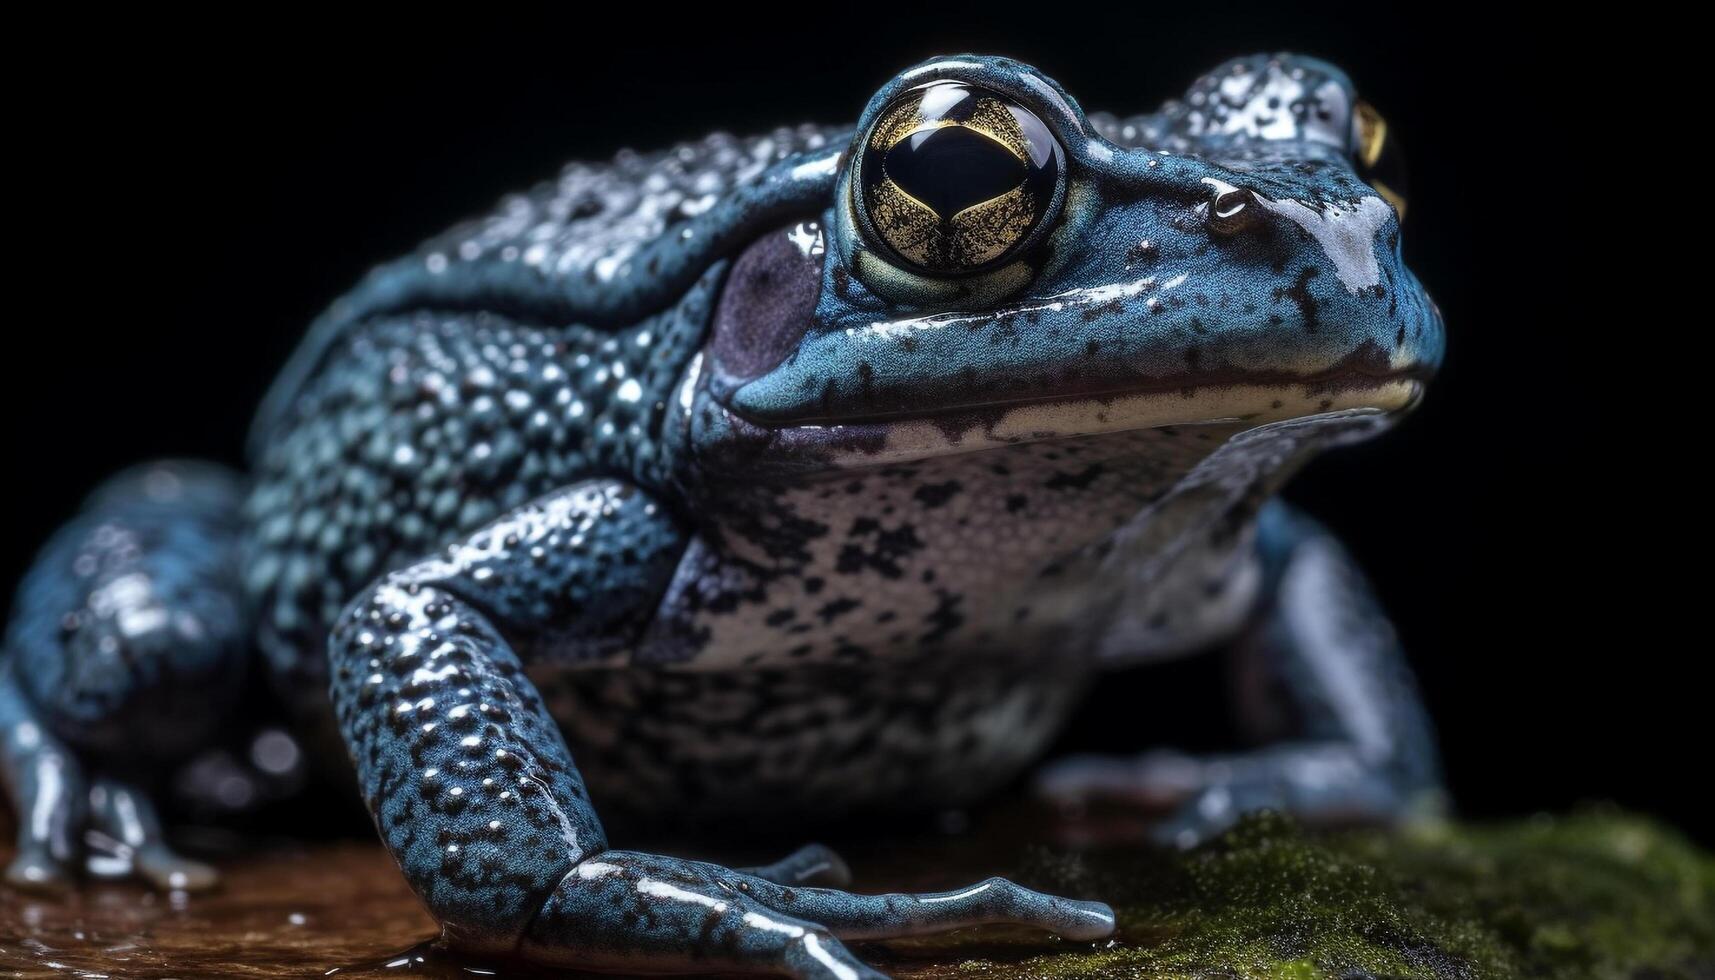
661 889
688 390
597 869
807 235
1071 298
840 970
822 166
1346 234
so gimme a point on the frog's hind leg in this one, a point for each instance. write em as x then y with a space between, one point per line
126 646
1321 681
475 793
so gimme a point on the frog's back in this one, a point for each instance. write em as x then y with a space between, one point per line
491 366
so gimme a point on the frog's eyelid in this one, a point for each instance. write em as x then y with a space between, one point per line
1021 83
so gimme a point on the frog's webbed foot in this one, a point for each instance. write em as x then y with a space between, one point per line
126 832
1351 742
812 865
623 910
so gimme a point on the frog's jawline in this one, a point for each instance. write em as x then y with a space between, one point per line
810 451
1365 368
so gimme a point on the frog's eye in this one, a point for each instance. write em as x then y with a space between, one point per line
1378 156
954 179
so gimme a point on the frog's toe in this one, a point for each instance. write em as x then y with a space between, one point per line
1208 815
33 870
995 901
812 864
169 871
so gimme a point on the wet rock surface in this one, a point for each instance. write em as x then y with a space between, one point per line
1598 894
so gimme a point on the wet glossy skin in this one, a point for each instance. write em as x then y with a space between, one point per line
758 486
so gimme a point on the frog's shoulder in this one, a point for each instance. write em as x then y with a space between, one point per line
597 247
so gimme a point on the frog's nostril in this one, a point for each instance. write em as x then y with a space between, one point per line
1232 211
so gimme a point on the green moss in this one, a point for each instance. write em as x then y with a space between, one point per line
1596 895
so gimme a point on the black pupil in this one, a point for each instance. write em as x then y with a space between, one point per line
951 168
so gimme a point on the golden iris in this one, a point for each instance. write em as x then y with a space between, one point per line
955 178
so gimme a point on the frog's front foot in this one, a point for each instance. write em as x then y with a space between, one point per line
622 910
1183 800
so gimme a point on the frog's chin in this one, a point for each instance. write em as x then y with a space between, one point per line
1230 409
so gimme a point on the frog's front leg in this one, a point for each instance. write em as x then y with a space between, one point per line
1320 678
473 789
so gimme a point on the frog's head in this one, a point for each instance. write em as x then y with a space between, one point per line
996 267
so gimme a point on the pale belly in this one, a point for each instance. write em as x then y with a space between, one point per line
1004 553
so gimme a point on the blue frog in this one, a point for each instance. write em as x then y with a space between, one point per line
815 473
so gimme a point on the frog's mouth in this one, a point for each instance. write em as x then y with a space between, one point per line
1234 400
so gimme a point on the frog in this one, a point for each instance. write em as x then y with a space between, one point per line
821 472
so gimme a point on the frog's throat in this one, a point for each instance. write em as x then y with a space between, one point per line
1239 407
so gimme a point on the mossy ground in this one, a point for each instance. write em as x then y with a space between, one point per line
1597 894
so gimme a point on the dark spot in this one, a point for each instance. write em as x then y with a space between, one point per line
932 495
837 608
1299 294
944 618
1075 481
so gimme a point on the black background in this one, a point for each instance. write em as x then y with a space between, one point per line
204 187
